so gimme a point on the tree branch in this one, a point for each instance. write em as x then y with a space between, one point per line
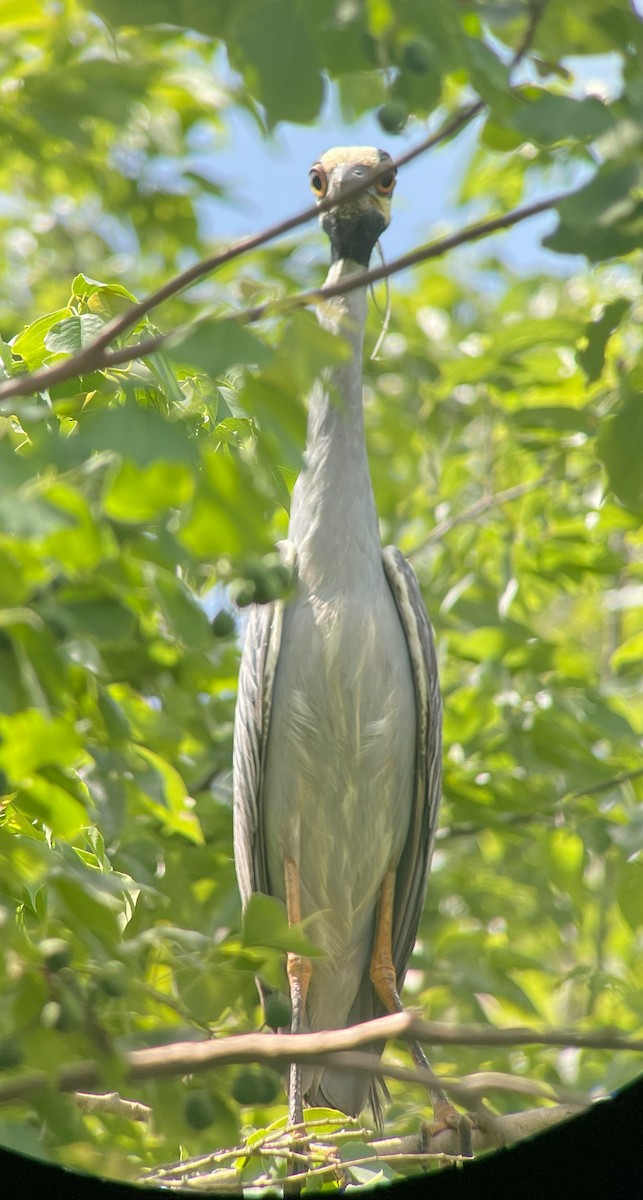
111 1102
411 1150
96 357
280 1049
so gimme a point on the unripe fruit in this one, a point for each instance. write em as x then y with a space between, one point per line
199 1109
112 980
12 1053
393 116
255 1085
223 624
64 1014
244 593
417 58
277 1012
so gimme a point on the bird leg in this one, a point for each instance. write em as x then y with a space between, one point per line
384 980
300 970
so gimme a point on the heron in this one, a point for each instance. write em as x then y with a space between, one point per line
338 723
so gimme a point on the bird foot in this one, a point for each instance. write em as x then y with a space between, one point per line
447 1117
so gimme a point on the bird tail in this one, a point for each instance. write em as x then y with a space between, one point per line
351 1091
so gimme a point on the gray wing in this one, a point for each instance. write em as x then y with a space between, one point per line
251 725
413 870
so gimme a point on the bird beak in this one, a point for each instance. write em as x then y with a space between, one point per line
354 226
344 177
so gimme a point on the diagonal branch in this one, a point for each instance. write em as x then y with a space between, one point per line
97 357
92 357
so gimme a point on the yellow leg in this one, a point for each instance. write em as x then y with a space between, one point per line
384 980
300 970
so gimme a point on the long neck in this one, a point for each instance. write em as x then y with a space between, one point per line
333 519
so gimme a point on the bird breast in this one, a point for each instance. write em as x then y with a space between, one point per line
340 760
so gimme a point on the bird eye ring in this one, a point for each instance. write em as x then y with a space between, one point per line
318 181
386 183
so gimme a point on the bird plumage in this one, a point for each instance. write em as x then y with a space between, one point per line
338 721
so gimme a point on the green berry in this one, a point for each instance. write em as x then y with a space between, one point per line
12 1053
244 593
71 1013
255 1085
393 116
222 625
56 953
112 980
267 588
199 1109
277 1012
417 58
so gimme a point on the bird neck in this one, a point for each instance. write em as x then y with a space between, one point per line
333 518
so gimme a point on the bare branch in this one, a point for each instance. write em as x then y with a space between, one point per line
111 1102
280 1049
96 357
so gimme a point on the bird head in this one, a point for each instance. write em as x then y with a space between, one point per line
355 224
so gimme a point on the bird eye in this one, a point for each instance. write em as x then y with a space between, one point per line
318 181
385 183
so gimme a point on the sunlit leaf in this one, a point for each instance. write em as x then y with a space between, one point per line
265 924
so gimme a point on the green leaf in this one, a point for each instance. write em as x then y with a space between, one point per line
73 333
31 740
282 60
629 889
227 513
31 343
265 924
177 816
619 446
105 299
552 118
597 334
490 76
186 13
138 434
604 219
140 494
89 904
51 801
214 346
628 653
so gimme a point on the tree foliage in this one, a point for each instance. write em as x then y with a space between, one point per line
504 428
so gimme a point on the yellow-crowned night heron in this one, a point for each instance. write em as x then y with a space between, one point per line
337 741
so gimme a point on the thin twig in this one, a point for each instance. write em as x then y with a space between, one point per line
546 813
476 510
401 1152
111 1102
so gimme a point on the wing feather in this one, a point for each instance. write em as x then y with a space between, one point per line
413 870
251 725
